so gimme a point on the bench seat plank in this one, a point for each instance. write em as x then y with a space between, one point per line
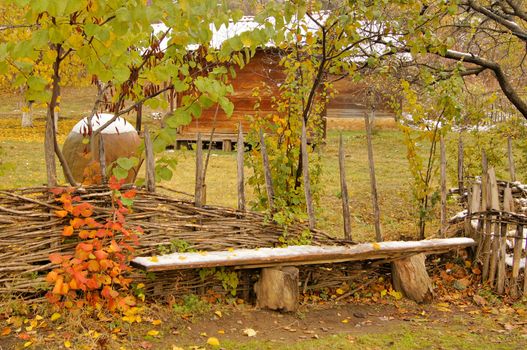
298 255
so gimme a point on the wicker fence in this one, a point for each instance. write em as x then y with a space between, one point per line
30 231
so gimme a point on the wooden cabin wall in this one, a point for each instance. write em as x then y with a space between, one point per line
351 100
262 69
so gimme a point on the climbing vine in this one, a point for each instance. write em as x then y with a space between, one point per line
96 273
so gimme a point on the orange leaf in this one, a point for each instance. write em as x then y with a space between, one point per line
58 286
85 246
84 234
52 277
77 222
61 213
5 331
100 254
93 265
68 231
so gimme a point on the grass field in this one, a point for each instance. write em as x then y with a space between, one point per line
23 149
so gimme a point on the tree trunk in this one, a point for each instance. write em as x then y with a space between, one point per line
27 115
410 278
277 288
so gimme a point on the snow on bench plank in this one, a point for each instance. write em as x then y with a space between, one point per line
297 255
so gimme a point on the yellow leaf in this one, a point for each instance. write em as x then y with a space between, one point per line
154 259
340 291
176 348
55 316
156 322
345 321
38 317
221 331
140 286
376 246
27 344
203 334
67 344
153 333
213 341
218 313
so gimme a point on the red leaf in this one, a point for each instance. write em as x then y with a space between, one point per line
87 247
109 293
115 184
57 190
55 258
130 194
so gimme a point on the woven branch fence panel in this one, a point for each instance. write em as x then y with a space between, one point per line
30 231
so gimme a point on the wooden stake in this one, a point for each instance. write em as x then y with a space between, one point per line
512 170
508 200
139 117
240 179
516 259
373 181
198 190
102 160
443 187
305 173
524 269
344 192
502 267
150 163
460 170
267 172
495 205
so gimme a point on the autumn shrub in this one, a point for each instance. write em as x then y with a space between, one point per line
96 274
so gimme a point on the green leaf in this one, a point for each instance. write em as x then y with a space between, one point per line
120 173
127 163
163 173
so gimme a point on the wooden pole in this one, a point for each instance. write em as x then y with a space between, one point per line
102 159
525 269
267 172
495 205
344 192
198 191
512 169
516 259
373 181
150 163
139 117
240 179
443 187
460 171
305 173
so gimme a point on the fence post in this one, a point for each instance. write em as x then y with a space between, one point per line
305 173
198 190
344 192
443 186
373 181
267 172
460 170
512 169
241 178
102 159
150 163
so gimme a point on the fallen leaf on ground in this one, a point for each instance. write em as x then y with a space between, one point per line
213 341
249 332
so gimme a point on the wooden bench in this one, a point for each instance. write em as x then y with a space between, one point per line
277 287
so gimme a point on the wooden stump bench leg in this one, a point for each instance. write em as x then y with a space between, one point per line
409 277
277 288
